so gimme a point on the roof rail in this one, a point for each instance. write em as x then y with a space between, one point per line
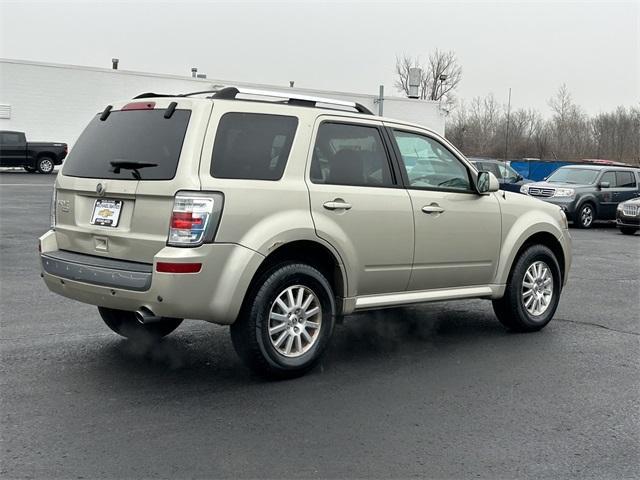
230 93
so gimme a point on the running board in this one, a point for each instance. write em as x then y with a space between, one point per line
405 298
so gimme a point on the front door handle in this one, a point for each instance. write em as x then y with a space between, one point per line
337 204
433 208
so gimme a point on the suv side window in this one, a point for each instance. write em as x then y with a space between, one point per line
252 146
429 164
348 154
609 177
625 179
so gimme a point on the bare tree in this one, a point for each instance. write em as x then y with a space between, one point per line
438 79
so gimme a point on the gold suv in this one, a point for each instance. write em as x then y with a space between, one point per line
277 214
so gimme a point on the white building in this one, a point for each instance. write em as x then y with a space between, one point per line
52 102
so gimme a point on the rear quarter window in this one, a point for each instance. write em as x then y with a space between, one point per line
252 146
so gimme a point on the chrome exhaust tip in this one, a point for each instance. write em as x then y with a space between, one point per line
144 315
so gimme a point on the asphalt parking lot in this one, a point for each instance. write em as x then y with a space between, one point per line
439 390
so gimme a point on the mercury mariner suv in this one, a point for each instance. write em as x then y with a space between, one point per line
279 214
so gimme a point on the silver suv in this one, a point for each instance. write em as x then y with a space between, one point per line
279 214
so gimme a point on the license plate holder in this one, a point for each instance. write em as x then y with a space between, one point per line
106 212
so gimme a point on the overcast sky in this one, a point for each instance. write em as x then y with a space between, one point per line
532 47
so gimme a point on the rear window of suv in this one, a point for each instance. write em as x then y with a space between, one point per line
141 137
252 146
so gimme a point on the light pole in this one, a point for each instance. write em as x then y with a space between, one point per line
442 78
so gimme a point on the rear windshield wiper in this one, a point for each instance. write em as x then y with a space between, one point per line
130 165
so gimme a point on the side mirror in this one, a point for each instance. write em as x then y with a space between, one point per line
604 185
487 182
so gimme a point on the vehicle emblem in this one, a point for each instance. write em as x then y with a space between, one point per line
105 213
100 189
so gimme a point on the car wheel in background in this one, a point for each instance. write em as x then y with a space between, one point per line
126 324
532 293
586 216
628 230
45 165
287 321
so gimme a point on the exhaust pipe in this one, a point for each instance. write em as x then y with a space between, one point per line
144 315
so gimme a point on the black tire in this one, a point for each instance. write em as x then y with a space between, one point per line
29 169
45 165
510 309
585 216
628 230
250 332
124 323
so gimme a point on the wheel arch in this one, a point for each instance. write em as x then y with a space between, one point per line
548 240
309 252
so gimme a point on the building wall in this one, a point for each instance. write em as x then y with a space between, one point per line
55 102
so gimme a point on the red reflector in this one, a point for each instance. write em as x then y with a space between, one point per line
168 267
139 106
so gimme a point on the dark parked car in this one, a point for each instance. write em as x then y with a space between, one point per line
588 192
628 216
15 151
509 179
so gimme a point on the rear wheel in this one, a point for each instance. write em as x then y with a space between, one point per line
586 216
126 324
45 165
628 230
287 321
533 291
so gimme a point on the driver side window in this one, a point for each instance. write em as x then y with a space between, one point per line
429 164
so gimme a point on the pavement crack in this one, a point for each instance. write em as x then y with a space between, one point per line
593 324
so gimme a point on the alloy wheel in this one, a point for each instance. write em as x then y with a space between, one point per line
537 288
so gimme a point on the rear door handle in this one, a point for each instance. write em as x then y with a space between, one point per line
337 204
433 208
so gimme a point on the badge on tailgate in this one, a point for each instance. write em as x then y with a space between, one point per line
106 213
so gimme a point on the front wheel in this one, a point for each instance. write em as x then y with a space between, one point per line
586 216
45 165
287 321
628 230
126 324
532 293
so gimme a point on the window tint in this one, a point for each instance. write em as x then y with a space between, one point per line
252 146
609 177
350 155
574 175
11 138
139 136
429 164
625 180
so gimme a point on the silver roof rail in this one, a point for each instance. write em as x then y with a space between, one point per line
230 93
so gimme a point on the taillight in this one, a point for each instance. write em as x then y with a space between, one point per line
194 219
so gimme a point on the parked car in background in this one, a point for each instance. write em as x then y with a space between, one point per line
628 216
588 192
277 217
42 157
509 179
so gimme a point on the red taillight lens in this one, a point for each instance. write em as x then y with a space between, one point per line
139 106
170 267
185 220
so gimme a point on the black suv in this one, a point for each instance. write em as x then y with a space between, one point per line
509 179
588 192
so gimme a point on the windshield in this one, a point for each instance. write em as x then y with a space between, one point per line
573 175
142 143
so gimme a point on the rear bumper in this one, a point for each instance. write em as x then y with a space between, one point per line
214 294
